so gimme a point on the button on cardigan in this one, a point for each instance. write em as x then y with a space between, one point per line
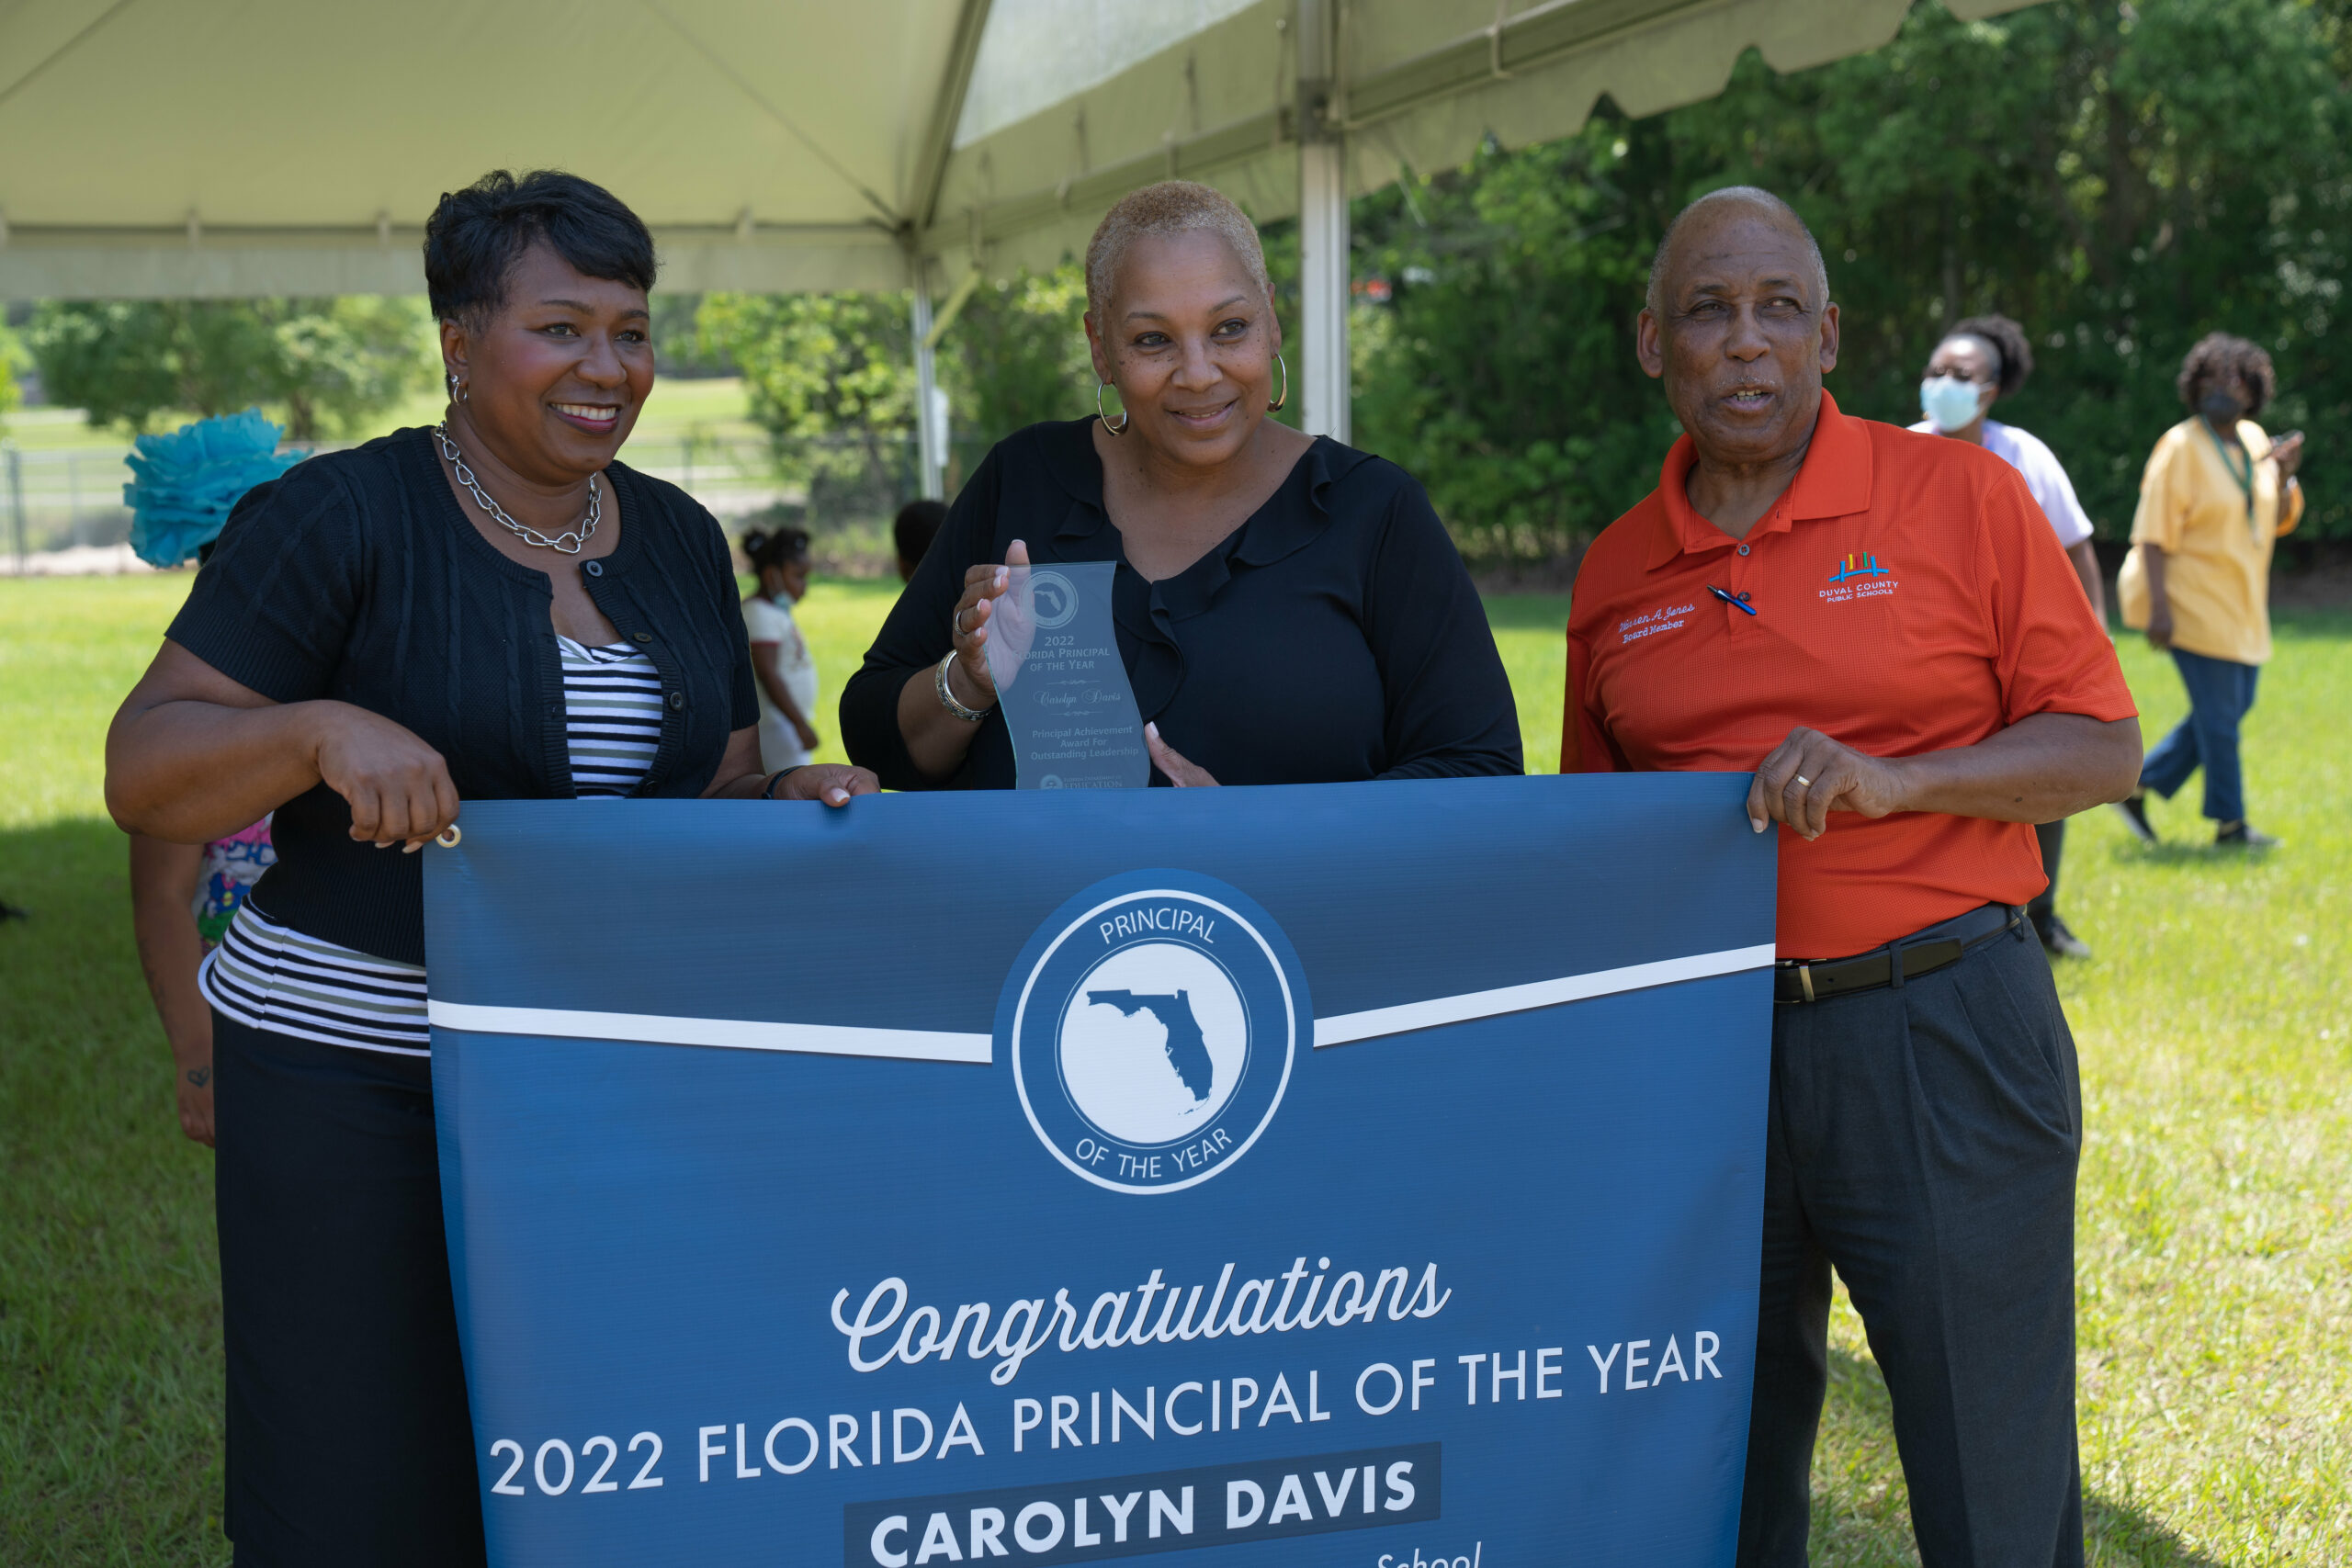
356 577
1335 636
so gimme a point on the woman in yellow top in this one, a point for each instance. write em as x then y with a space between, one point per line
2216 495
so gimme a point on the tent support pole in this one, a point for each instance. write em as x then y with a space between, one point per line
1322 363
1323 289
931 435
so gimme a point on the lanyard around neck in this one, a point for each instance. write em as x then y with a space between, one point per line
2244 481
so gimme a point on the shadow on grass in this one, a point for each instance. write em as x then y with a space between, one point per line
1861 1515
109 1293
2192 852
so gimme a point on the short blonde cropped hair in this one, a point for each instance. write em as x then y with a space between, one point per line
1171 206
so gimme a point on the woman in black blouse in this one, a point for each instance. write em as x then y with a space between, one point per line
490 609
1289 610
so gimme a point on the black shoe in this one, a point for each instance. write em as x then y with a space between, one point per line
2243 836
2059 942
2133 809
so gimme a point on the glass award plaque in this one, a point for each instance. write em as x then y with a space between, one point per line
1059 684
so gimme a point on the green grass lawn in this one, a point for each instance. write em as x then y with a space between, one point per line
2216 1208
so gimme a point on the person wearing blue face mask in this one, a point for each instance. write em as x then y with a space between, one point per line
1980 360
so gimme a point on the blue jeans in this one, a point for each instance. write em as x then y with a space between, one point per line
2220 696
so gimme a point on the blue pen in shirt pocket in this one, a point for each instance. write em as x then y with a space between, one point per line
1736 601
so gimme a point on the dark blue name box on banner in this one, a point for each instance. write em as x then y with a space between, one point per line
1364 1175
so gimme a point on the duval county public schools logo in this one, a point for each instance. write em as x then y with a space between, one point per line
1853 566
1154 1022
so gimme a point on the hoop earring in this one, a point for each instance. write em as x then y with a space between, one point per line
457 389
1276 406
1126 417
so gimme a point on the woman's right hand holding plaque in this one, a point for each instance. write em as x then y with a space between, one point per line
970 628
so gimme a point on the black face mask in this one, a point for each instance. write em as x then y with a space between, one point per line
2223 409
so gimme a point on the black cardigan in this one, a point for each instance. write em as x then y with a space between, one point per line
1333 636
356 577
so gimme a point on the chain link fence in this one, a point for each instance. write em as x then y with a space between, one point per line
57 500
843 488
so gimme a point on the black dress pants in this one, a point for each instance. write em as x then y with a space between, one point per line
349 1443
1924 1140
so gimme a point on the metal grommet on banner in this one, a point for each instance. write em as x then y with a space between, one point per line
448 837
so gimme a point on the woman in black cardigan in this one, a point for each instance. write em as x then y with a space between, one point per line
489 609
1289 610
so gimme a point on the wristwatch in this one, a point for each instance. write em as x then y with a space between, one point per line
947 694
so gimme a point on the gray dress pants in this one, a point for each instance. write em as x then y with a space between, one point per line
1924 1140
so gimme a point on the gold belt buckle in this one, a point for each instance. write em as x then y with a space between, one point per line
1804 978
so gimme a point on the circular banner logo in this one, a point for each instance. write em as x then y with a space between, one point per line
1053 599
1154 1023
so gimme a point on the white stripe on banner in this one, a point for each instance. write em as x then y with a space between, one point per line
932 1045
730 1034
1349 1027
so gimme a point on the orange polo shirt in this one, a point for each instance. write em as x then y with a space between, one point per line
1909 597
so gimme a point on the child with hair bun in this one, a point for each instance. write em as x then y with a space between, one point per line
780 656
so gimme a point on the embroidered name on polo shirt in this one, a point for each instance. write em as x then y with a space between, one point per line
1649 623
1859 575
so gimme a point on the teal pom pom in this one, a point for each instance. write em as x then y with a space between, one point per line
184 484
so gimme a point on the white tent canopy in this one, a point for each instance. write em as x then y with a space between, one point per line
178 148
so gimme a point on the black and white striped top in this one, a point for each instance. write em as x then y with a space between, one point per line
612 699
271 976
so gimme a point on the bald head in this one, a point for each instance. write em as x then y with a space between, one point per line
1740 329
1744 201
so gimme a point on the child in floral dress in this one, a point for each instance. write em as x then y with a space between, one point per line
182 899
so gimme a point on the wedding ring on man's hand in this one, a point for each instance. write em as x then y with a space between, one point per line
1804 781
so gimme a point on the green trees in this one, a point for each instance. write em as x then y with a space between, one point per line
1502 372
330 364
1016 354
2121 178
830 376
12 359
817 363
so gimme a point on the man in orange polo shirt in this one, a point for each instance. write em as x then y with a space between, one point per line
1882 624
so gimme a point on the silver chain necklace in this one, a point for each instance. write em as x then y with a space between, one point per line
571 542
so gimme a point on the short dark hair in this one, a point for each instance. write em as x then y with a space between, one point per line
2012 354
916 524
476 235
775 546
2218 356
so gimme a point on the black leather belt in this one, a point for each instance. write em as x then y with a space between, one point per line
1924 951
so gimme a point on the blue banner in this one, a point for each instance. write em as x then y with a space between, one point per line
1363 1174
